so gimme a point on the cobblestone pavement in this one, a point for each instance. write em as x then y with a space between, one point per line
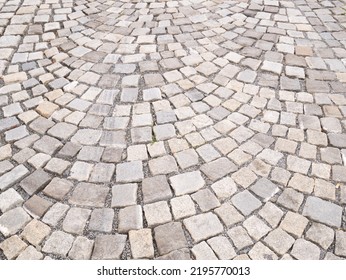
172 129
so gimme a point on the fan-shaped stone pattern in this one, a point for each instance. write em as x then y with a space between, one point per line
210 129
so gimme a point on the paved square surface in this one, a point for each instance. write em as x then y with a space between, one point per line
187 129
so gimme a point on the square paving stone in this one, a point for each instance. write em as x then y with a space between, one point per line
102 173
156 189
47 145
239 237
182 207
170 237
109 247
137 152
81 248
75 220
301 183
337 140
163 165
206 200
35 232
41 125
141 135
10 199
323 211
129 172
87 194
321 235
261 252
157 213
291 199
244 177
59 243
89 153
208 153
218 168
186 183
255 227
12 247
164 131
62 131
294 224
69 150
35 182
37 206
55 213
222 247
13 176
102 220
124 195
305 250
81 171
203 226
5 166
112 154
279 241
87 137
339 173
229 214
58 188
141 243
13 220
130 218
224 188
264 188
271 213
245 202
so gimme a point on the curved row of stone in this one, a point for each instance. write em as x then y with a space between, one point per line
172 129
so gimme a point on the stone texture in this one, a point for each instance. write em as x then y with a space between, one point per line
323 211
157 213
59 243
169 237
305 250
121 117
13 220
81 248
141 244
129 172
156 189
86 194
203 226
108 247
187 182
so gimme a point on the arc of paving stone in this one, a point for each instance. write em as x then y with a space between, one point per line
173 129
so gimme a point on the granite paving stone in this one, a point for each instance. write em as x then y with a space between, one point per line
172 129
12 247
170 237
81 248
323 211
13 220
203 226
88 194
141 243
58 243
108 247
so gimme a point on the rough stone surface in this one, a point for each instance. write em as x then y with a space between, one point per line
323 211
203 226
108 247
227 117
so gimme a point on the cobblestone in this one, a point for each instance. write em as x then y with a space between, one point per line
172 130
